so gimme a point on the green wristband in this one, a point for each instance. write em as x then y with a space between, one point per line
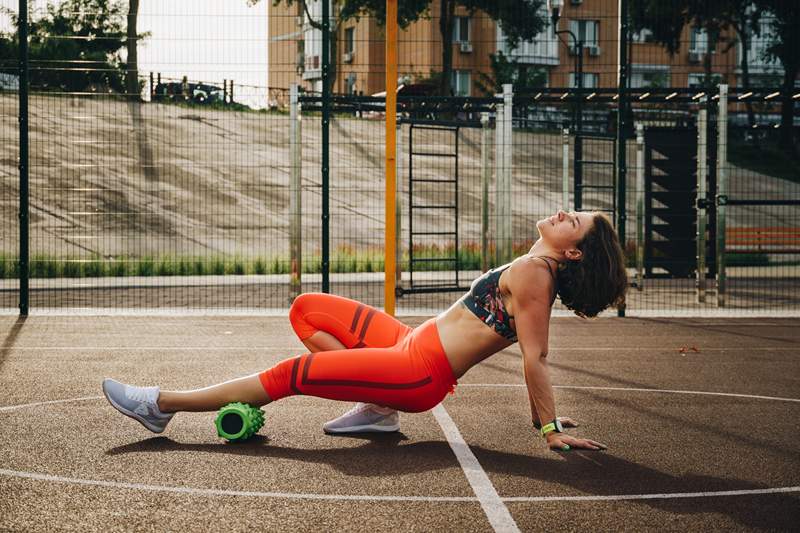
549 428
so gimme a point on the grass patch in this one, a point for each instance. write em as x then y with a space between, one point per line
344 259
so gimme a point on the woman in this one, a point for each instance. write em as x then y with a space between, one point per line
358 353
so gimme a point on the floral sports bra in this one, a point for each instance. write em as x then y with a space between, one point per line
486 302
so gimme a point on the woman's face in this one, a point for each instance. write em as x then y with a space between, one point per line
563 231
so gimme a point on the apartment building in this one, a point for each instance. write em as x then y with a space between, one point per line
295 51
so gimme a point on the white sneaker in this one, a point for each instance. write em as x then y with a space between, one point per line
139 403
365 417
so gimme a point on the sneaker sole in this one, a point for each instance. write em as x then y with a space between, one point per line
369 428
131 414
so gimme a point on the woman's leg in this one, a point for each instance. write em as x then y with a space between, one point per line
326 322
247 389
384 376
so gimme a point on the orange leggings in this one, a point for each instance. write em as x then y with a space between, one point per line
385 363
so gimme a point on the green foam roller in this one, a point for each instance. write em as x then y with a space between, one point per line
238 421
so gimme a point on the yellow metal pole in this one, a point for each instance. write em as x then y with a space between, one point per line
391 155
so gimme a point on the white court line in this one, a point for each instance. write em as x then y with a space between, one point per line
632 389
193 491
410 312
492 505
496 385
224 492
475 471
36 404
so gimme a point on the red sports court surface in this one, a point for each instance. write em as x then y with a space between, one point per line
700 415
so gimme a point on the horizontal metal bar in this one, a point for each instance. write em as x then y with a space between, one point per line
433 233
582 186
432 259
444 125
433 181
762 202
433 154
594 162
433 207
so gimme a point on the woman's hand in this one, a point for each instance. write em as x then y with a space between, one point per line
567 422
563 442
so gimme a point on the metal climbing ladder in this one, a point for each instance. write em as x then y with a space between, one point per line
446 186
607 181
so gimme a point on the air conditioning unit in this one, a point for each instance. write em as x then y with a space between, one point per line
465 47
347 57
298 21
695 56
594 50
576 2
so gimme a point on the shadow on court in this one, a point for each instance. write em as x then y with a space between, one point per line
714 459
11 338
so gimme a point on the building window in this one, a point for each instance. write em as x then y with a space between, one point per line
460 83
585 30
699 79
461 30
649 76
349 40
590 80
698 42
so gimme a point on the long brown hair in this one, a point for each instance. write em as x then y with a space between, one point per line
598 280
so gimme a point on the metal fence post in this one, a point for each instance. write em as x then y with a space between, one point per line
722 190
702 213
398 213
295 194
565 169
499 158
24 245
505 237
639 207
486 174
622 129
326 118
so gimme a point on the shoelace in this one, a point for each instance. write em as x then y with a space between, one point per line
139 394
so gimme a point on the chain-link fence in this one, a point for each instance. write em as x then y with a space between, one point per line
171 165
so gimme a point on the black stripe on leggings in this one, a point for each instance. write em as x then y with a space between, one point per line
293 381
359 309
359 383
366 324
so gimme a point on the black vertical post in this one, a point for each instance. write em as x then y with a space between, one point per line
24 248
578 164
622 127
326 96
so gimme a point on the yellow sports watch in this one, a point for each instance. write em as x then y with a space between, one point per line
554 426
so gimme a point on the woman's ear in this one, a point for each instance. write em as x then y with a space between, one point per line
573 254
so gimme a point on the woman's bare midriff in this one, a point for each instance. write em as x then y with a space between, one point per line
466 340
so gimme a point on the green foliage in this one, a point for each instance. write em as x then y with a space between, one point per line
75 45
505 70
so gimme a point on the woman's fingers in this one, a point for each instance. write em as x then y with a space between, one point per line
567 422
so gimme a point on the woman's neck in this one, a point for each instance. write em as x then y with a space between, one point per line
542 249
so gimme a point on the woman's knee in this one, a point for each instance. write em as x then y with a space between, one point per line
297 315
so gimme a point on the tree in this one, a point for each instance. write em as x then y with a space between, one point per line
505 70
519 20
132 71
666 21
785 47
74 46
